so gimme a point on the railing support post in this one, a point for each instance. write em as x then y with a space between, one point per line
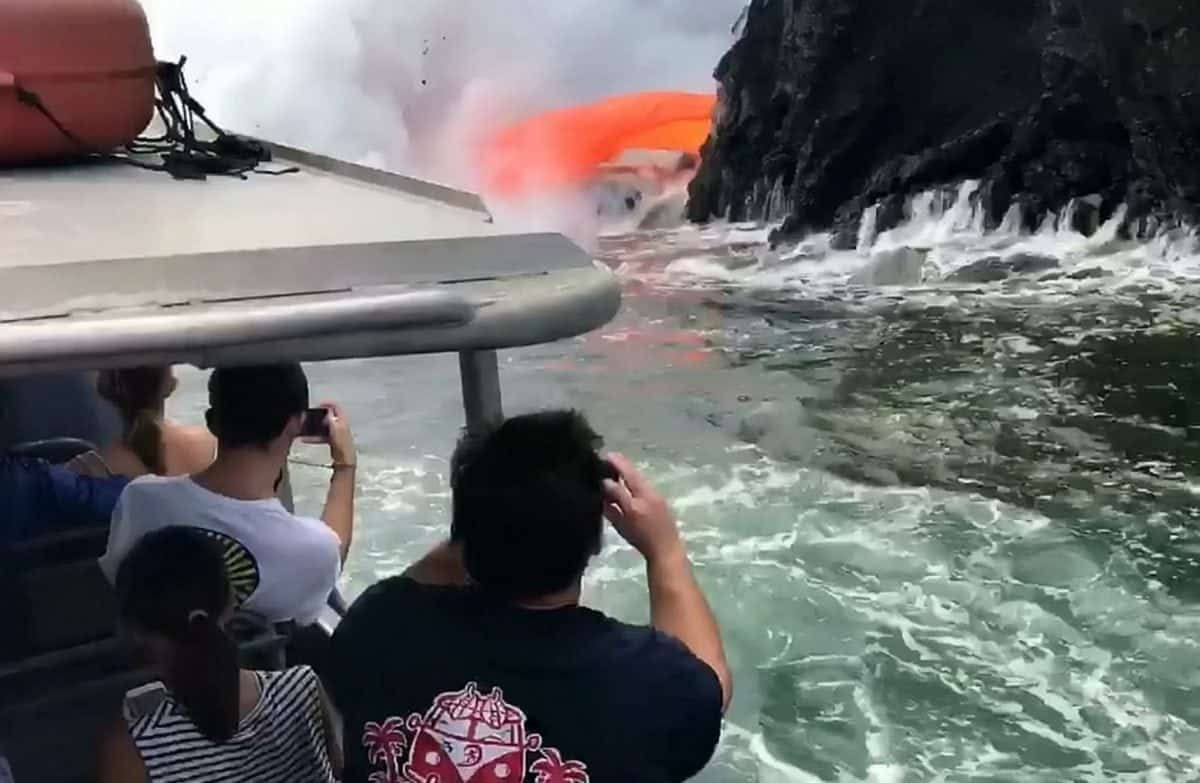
482 402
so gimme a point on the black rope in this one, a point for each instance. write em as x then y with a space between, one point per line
179 152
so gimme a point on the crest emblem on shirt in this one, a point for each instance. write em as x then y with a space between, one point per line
466 736
240 566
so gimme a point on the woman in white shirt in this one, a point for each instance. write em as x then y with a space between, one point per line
207 719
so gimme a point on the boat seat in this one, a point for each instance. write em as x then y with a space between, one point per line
36 407
63 671
54 594
54 736
56 451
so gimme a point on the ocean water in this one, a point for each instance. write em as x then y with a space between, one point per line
948 528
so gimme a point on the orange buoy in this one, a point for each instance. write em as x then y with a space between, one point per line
89 63
565 148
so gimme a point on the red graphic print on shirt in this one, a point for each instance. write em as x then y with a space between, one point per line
465 737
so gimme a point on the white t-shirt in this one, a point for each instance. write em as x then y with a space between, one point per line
282 567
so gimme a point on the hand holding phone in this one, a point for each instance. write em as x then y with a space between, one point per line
339 437
639 513
314 428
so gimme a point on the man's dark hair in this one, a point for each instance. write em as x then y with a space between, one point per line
528 503
251 406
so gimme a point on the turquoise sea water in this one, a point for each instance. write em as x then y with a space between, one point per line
949 530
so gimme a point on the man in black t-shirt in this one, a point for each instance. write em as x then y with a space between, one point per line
478 665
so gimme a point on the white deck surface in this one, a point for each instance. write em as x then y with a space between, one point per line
52 216
107 265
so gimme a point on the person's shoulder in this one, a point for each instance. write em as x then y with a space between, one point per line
147 493
400 595
662 661
151 485
377 609
116 459
315 532
389 590
191 448
311 524
289 692
301 673
294 678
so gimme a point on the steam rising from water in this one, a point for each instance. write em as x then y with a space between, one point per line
406 85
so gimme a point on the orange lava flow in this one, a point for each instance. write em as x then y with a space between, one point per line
564 148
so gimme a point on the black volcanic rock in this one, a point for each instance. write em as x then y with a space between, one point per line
993 268
830 106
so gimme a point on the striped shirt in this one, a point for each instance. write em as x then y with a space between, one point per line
281 739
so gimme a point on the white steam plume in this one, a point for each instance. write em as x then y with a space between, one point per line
403 84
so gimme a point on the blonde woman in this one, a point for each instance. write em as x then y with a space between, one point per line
150 443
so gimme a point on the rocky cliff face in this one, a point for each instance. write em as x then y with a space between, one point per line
830 106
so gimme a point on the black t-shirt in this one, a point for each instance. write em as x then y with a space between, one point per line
450 683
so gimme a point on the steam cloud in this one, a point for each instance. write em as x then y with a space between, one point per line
404 85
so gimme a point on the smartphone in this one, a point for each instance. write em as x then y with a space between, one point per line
314 428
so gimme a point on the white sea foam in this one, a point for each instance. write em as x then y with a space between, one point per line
951 236
838 594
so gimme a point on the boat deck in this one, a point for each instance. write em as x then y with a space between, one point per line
106 265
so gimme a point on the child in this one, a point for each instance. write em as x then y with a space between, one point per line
207 719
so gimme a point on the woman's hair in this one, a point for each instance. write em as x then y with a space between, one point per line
138 393
173 584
